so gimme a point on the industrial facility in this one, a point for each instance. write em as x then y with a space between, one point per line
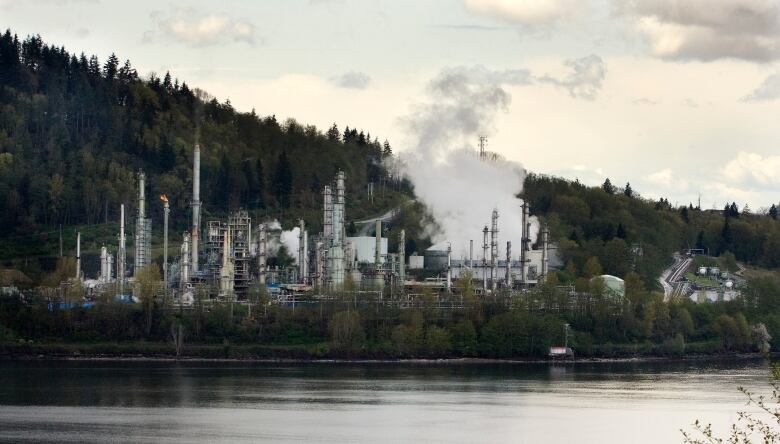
225 259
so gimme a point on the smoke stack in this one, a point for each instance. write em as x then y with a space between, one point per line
104 269
195 207
262 252
302 252
471 253
78 255
121 253
166 211
449 267
494 249
402 258
143 226
523 242
545 257
508 279
484 258
378 252
184 277
305 257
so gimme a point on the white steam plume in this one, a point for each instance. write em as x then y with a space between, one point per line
449 178
278 238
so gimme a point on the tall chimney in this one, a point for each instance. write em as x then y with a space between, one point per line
184 276
545 256
523 243
508 279
166 211
121 254
78 255
471 253
378 252
302 251
262 252
195 207
494 250
402 258
449 267
484 259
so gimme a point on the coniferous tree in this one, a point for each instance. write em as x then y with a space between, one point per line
333 133
773 211
283 181
259 191
628 191
386 150
608 187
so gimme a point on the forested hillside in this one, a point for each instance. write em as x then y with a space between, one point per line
74 130
626 232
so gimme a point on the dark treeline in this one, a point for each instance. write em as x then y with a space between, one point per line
75 130
626 232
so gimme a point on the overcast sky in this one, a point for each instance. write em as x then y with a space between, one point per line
681 98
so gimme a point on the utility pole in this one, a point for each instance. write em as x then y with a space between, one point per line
482 144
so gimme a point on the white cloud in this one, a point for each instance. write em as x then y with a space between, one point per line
768 90
352 80
753 170
708 30
198 29
532 13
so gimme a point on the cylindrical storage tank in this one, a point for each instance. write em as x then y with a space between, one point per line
729 284
715 271
702 271
436 260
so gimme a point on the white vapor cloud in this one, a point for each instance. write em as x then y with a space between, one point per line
196 29
708 30
531 13
352 80
458 188
585 80
768 90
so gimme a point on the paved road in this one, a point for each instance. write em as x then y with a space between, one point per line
671 277
368 224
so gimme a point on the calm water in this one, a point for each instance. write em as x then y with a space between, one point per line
189 402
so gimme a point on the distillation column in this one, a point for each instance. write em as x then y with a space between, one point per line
494 250
195 207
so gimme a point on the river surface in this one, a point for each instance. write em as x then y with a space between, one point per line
120 401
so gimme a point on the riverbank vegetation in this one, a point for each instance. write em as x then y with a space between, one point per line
425 326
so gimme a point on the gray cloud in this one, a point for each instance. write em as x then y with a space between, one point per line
768 90
707 30
197 29
585 80
352 80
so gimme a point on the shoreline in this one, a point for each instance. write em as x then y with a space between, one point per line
384 361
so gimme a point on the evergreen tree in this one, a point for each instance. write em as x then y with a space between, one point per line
333 133
608 187
110 69
283 181
259 191
684 214
628 191
621 231
773 212
386 150
727 238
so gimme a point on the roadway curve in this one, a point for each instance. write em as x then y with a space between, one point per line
367 224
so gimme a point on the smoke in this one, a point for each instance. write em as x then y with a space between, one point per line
459 189
278 238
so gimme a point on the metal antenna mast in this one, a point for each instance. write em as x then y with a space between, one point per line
482 144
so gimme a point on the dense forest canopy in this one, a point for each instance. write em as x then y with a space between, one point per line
75 130
626 232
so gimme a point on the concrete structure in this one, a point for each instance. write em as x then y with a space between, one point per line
106 263
78 255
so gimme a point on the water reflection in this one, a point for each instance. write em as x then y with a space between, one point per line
203 402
